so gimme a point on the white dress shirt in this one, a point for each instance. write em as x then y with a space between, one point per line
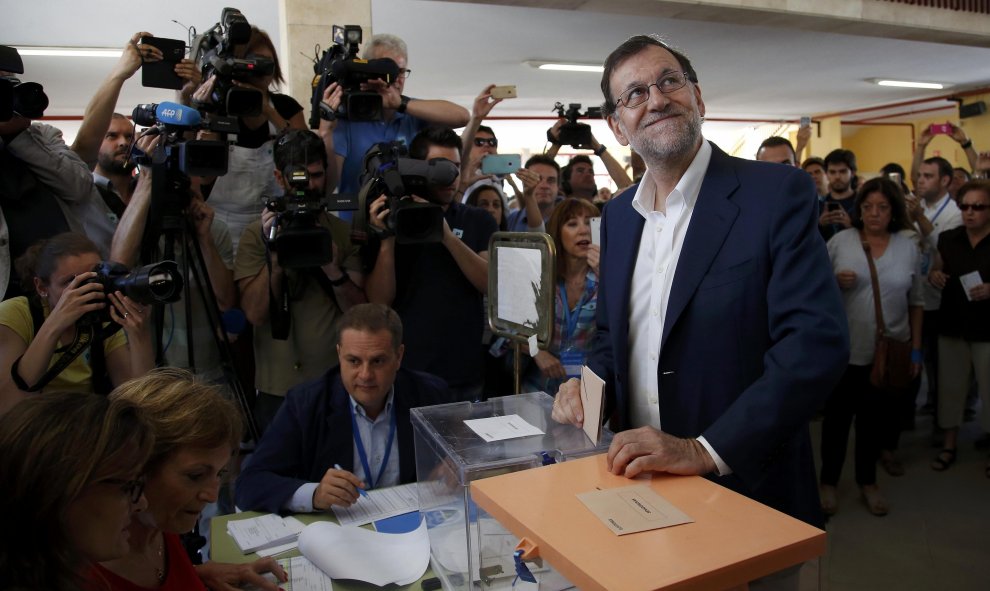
653 276
944 215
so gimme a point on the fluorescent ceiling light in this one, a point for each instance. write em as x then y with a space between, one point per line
909 84
564 67
69 51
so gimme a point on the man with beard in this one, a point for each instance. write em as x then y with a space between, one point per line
836 212
437 288
720 325
113 170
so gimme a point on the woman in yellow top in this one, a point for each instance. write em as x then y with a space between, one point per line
58 273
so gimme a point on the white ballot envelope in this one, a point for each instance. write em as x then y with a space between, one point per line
593 401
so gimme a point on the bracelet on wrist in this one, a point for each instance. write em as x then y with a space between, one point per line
600 150
916 356
340 280
967 144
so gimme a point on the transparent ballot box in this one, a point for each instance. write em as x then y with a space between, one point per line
468 548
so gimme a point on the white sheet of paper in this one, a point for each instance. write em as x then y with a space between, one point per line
303 576
518 285
969 281
366 555
258 533
501 428
379 504
534 345
593 402
276 550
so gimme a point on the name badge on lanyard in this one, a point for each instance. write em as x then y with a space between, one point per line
359 445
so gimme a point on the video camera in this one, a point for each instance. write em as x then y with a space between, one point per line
389 172
214 51
189 157
296 235
572 133
340 64
157 283
26 99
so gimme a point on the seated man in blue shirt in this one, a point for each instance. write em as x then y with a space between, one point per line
349 428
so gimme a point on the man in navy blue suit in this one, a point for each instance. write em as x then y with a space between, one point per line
720 325
347 429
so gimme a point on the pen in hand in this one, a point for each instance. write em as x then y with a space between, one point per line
363 492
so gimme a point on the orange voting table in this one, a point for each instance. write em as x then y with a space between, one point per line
732 540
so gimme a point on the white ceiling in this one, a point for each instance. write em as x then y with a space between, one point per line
746 72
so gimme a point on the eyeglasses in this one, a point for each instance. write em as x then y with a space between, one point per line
405 73
973 206
486 141
666 84
132 488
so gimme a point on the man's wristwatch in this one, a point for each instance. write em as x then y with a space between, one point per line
967 144
340 280
403 104
601 150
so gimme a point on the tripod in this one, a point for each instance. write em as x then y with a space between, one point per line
166 219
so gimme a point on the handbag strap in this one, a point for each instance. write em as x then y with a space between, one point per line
881 327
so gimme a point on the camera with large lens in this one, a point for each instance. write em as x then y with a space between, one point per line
214 51
151 284
389 172
572 133
25 99
296 235
340 64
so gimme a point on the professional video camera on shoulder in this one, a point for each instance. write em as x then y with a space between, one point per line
296 234
389 172
572 133
151 284
189 157
340 64
214 50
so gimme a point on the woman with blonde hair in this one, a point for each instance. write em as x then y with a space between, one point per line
197 430
71 467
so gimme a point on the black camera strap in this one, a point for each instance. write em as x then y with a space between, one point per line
278 311
86 336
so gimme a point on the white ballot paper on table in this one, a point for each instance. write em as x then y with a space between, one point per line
969 281
593 402
303 576
266 531
366 555
501 428
379 504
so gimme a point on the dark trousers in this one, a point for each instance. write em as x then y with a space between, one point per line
853 397
897 414
929 345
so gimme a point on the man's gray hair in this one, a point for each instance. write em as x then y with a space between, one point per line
386 41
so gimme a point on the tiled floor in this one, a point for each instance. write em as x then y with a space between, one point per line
936 536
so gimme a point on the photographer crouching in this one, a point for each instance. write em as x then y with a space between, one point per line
64 336
297 272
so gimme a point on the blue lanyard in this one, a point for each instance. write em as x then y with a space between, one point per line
944 203
571 320
360 447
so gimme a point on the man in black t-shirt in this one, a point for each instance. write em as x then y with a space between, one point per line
837 208
437 288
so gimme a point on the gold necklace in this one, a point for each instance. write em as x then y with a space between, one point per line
159 566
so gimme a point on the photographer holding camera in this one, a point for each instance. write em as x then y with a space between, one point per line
579 179
67 306
404 117
300 305
437 287
45 188
239 196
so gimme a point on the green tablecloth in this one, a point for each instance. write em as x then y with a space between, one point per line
223 548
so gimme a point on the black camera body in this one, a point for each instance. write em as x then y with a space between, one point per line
296 235
389 172
340 64
572 133
27 99
151 284
214 51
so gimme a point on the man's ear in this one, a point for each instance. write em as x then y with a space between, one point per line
697 97
613 124
278 177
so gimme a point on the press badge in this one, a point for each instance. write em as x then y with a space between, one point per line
572 361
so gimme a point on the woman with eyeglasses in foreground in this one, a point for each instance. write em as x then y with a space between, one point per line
70 464
197 430
964 317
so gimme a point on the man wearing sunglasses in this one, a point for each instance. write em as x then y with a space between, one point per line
404 116
720 325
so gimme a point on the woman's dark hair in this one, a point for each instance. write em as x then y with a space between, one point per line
260 38
570 207
52 448
890 191
473 196
41 258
